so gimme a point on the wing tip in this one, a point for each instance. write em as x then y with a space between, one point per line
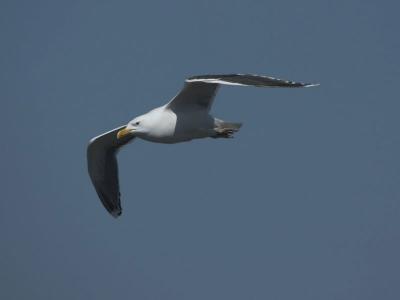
113 207
311 84
116 213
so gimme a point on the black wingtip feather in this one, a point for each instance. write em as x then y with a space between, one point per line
249 80
112 206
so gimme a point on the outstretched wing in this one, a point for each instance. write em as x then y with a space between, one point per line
248 80
103 168
199 91
194 95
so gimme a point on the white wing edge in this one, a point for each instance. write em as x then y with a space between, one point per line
215 80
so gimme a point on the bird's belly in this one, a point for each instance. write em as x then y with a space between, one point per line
181 127
177 136
165 139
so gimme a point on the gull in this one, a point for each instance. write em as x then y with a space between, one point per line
184 118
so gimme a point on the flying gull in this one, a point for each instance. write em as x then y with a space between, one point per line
185 117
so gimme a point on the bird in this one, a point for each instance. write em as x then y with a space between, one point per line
184 118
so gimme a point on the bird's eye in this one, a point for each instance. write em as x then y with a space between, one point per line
137 123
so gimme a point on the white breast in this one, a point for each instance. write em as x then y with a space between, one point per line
159 124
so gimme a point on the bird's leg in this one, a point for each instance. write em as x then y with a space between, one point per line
226 133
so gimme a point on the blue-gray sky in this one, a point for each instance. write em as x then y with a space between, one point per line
302 204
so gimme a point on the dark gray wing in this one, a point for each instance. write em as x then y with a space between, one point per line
247 80
199 91
103 168
194 95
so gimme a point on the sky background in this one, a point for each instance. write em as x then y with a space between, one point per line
302 204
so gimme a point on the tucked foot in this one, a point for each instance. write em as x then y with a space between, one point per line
226 133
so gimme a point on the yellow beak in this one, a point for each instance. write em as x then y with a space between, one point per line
124 132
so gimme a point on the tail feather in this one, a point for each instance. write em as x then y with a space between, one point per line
220 124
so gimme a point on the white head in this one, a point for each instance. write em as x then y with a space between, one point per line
138 126
156 124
